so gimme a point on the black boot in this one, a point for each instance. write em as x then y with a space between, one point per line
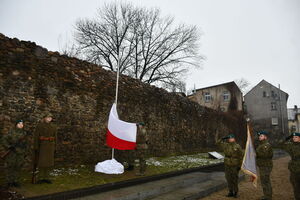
48 181
13 184
235 194
16 184
10 185
41 181
130 167
230 194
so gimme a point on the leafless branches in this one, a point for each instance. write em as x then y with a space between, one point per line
243 84
147 46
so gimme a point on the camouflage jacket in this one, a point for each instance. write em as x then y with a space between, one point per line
293 149
142 139
233 153
15 141
264 154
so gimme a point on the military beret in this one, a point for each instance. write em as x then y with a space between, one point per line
47 114
141 124
19 121
262 133
296 134
231 136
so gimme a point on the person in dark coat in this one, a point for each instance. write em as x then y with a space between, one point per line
45 139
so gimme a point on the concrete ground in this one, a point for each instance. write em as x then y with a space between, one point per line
282 188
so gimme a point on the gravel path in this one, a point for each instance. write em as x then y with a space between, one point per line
282 188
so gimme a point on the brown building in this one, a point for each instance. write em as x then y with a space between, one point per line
224 97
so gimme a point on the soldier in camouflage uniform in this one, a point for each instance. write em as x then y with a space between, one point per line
293 149
233 160
264 155
45 135
141 150
15 145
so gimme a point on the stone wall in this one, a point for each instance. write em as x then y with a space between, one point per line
80 94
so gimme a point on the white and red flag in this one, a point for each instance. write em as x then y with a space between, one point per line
120 134
249 161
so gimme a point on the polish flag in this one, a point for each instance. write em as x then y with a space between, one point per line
120 134
249 160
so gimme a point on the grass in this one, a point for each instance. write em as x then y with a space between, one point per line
81 176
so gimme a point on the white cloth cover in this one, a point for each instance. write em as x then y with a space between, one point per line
110 167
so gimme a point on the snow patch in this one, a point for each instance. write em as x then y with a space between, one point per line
109 167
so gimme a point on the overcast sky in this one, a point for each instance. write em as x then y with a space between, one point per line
251 39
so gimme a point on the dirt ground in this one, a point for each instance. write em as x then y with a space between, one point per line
282 188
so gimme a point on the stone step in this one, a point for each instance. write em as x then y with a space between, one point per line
152 189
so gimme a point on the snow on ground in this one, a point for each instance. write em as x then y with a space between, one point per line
183 161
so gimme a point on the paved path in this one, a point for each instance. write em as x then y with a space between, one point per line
196 185
188 186
282 189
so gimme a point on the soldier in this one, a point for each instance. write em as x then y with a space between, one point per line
141 149
264 155
233 159
293 149
45 137
15 145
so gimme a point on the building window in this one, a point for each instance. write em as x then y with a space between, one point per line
264 94
226 96
207 97
273 106
274 95
274 121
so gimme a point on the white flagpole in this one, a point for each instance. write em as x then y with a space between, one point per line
117 90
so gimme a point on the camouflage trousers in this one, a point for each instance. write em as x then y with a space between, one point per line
140 162
232 176
13 166
264 173
295 180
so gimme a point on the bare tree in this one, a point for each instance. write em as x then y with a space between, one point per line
67 47
175 86
243 84
147 46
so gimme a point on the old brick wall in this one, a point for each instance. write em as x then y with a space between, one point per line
80 94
